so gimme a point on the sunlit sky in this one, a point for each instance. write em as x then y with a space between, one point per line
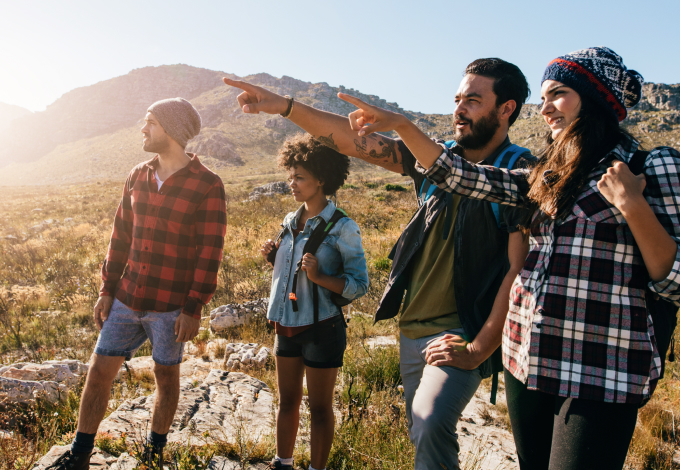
410 52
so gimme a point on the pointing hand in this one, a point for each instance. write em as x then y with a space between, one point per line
369 119
255 99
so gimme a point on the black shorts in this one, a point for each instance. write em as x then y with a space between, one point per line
321 347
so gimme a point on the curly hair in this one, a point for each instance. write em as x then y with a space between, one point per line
329 166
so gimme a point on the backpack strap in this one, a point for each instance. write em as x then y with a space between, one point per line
428 188
637 161
313 243
507 160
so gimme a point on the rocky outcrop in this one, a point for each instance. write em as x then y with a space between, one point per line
269 190
659 96
24 382
215 144
222 406
240 355
231 315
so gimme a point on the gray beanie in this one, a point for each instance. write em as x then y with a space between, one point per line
178 117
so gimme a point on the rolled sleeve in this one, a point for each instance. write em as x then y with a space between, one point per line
355 271
669 288
662 173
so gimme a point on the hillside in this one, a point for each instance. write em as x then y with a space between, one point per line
92 133
9 112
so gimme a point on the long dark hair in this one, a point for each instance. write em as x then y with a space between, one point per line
565 162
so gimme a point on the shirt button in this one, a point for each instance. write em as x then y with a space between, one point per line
146 247
143 267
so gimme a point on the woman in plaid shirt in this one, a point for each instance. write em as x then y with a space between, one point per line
578 343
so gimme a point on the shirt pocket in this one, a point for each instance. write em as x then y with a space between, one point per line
593 206
329 258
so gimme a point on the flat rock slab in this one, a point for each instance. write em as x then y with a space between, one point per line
380 341
224 405
192 367
490 444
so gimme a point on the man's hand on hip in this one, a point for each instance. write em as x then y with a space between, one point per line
101 310
255 99
186 328
453 350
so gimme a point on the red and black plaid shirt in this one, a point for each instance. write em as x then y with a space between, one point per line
166 244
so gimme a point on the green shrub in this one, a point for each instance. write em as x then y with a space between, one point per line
370 185
382 264
395 187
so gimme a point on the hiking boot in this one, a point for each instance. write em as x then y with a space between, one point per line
153 457
276 464
71 461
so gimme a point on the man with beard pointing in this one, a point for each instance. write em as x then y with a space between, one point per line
455 261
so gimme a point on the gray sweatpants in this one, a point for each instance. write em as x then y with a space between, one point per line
435 399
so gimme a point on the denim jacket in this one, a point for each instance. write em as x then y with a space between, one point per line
340 255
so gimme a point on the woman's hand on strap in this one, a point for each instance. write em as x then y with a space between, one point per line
621 187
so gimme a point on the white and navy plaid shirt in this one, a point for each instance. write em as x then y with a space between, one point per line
578 324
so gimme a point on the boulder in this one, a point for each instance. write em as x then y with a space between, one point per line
231 315
269 190
23 382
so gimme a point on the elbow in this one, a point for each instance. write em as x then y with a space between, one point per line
355 287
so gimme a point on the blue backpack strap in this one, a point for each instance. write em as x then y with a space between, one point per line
428 188
506 159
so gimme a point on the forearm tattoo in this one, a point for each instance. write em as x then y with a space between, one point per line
387 149
328 142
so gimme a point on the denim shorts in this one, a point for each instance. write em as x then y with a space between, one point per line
126 330
321 347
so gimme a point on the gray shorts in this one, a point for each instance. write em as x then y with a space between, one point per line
126 330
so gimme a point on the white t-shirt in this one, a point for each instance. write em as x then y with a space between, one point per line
160 183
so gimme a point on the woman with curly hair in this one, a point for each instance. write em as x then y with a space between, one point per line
583 333
306 288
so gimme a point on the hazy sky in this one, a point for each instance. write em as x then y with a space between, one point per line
411 52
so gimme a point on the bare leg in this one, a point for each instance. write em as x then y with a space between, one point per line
97 391
321 383
167 397
289 373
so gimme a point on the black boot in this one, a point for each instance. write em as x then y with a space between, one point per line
71 461
153 457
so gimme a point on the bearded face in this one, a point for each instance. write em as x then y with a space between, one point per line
475 133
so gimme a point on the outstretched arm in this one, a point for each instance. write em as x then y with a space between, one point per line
330 129
368 119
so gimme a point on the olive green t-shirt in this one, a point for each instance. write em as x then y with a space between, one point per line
430 303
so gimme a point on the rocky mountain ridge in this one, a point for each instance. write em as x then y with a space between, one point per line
92 133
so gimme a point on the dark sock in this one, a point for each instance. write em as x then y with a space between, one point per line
83 443
158 440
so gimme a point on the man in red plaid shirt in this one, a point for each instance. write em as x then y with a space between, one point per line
159 272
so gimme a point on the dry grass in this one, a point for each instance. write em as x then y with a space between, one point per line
49 282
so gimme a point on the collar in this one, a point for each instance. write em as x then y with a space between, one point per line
325 214
193 166
623 151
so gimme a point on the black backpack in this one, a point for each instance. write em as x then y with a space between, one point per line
315 240
663 312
